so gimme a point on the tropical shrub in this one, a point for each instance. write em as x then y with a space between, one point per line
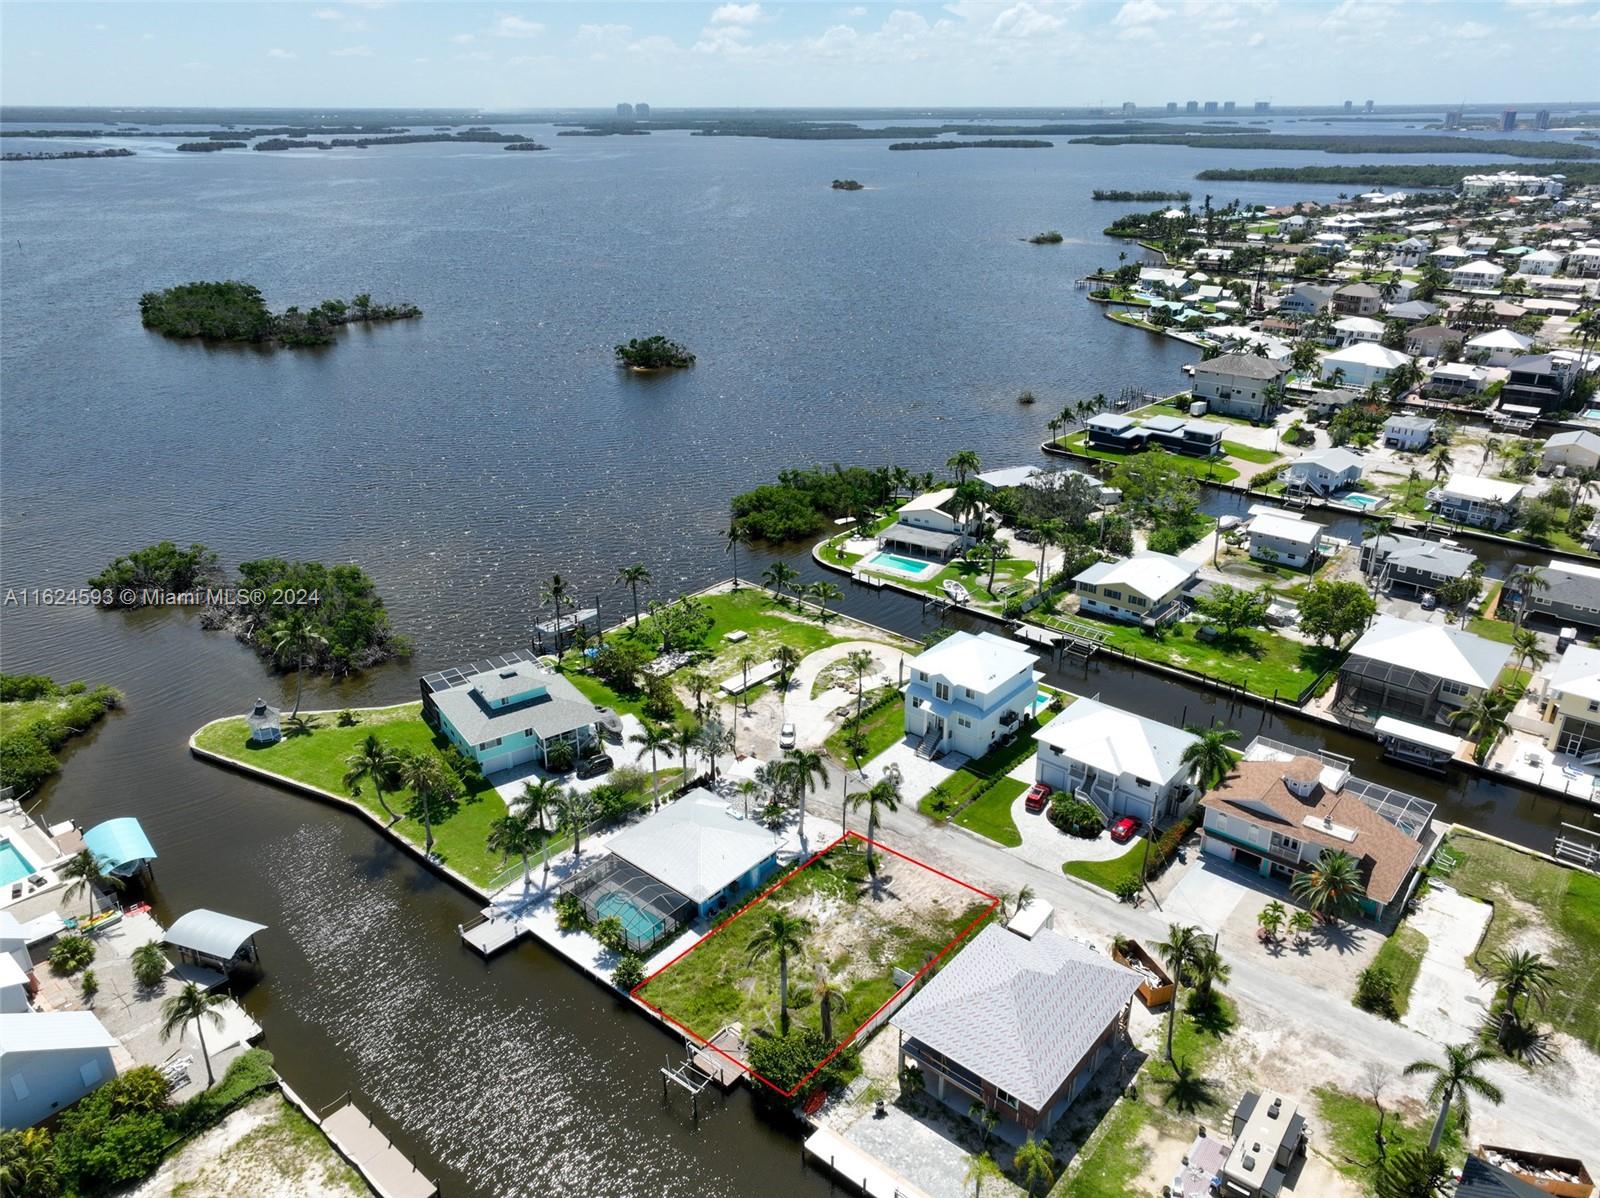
629 971
71 953
1076 817
1375 992
784 1060
560 757
1127 890
570 915
149 965
611 934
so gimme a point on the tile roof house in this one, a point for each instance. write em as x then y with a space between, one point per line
1020 1025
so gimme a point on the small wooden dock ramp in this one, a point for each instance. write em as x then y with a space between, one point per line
703 1067
389 1172
863 1171
489 934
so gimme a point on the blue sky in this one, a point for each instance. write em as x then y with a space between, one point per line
814 52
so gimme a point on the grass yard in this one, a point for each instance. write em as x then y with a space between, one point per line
1539 901
1494 630
991 815
460 839
1108 875
1347 1133
1113 1160
961 787
1248 453
1208 469
24 713
858 936
1402 955
884 728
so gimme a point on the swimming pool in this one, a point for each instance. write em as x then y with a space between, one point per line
13 865
1363 501
636 921
909 566
1041 701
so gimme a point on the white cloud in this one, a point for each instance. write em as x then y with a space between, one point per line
147 37
1471 31
352 52
328 14
737 14
856 13
463 39
509 25
277 52
1024 20
420 60
1139 12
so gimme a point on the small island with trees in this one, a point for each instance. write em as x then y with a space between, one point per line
653 353
1139 197
211 147
235 311
847 185
1050 238
118 153
526 145
988 143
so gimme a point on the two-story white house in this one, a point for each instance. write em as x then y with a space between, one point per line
1348 330
1242 385
933 525
510 712
1478 275
1570 702
1283 538
1480 502
1123 763
1146 586
1417 672
968 692
1323 471
1541 262
1361 364
1498 347
1407 433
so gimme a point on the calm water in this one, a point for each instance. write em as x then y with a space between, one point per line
465 457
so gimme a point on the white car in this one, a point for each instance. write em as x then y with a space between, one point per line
786 737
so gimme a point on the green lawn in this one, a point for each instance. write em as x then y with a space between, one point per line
1206 469
1347 1134
460 839
1249 453
1552 902
958 789
1108 875
1113 1159
1402 955
856 938
24 713
884 728
991 815
1008 572
1494 630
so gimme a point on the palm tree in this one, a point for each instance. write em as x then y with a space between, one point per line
882 795
653 739
962 464
698 683
738 535
685 739
1453 1081
1442 462
1177 950
1332 888
192 1004
860 661
746 660
375 763
517 834
1010 904
1485 717
1529 648
292 638
1493 447
1036 1163
1271 919
1209 969
980 1168
1209 759
633 577
780 577
711 738
830 1000
1300 923
823 593
1051 533
1525 580
803 769
1522 974
577 808
787 658
85 873
426 776
783 936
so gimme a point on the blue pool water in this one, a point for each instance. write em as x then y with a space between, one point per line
636 921
1041 701
1363 500
906 565
13 865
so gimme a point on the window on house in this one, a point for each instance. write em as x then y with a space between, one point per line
922 675
971 694
1005 1099
490 744
1455 690
941 690
963 721
1111 594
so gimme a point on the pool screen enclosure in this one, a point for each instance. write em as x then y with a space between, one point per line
612 884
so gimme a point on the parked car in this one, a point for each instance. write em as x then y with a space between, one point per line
1429 601
786 737
1038 798
1125 829
593 767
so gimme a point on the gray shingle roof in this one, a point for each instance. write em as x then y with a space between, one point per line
924 538
560 708
1242 366
1021 1014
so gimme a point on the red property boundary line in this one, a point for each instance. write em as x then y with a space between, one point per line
744 1066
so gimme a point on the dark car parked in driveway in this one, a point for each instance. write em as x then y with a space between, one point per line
593 767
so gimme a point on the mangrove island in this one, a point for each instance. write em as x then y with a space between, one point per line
1138 197
1050 238
235 311
988 143
653 353
847 185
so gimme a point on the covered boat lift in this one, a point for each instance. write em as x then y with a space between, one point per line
214 940
1416 744
120 846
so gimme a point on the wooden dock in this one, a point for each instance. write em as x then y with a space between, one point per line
488 935
388 1171
716 1066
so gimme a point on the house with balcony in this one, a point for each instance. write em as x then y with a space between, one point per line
1281 807
1570 702
1461 378
1570 594
1148 586
933 525
969 692
1283 538
1470 499
1478 275
1362 364
1323 471
1357 299
1348 330
1584 262
1410 252
1449 257
1125 764
510 712
1411 565
1541 262
1241 385
1305 299
1020 1025
1408 433
1422 673
1433 340
1538 381
1123 434
1498 347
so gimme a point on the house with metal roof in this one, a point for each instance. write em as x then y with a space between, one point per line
1348 330
1125 764
1284 537
214 940
1577 449
1019 1025
1409 433
1570 704
1412 564
49 1060
1362 364
932 525
510 712
1416 671
1477 501
1146 586
1324 471
968 692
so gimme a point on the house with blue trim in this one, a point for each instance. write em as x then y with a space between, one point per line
510 712
968 692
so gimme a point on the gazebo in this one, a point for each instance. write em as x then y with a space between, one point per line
120 846
265 726
215 940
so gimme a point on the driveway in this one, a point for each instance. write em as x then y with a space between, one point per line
918 775
1205 896
1449 1002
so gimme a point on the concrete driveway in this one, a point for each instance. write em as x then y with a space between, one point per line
1205 896
1449 1002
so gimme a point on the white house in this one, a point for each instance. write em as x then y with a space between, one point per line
932 525
1324 471
1418 672
1451 256
1477 275
1459 378
967 692
1123 763
1410 252
1541 262
1363 364
1241 385
1305 299
1584 261
1498 347
1145 586
1574 450
1409 433
49 1060
1350 329
1481 502
1283 537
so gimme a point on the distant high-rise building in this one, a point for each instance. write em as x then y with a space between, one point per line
1541 120
1263 105
1349 105
1192 106
1211 106
625 111
1128 107
1452 119
1172 106
1227 106
1367 107
1508 120
642 111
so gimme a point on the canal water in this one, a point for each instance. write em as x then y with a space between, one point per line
465 457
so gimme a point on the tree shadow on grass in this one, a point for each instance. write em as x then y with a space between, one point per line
1188 1092
1210 1015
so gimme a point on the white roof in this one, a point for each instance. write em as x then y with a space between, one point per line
1587 440
11 933
1544 256
1335 459
211 933
1417 734
978 660
1151 573
1367 353
696 845
1021 1014
1010 476
11 973
1436 650
928 501
1359 324
1500 339
1286 528
1481 268
1578 672
51 1031
1492 490
1114 741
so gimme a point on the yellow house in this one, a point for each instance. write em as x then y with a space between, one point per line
1572 702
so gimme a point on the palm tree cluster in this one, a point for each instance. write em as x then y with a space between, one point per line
1194 961
1526 981
1332 888
781 578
